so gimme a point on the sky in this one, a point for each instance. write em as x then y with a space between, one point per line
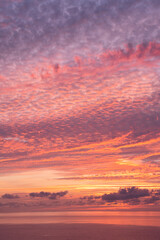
79 105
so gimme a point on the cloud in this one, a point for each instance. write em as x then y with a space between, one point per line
57 195
40 194
125 194
155 158
143 50
50 28
134 201
48 194
91 197
9 196
157 192
85 201
152 199
125 197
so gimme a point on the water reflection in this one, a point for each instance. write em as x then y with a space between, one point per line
115 217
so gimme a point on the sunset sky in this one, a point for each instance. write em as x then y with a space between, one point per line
79 105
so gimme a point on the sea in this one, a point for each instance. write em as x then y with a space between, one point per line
138 218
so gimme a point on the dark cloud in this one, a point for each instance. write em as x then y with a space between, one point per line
82 201
157 192
152 199
134 201
40 194
61 194
125 194
49 195
91 197
90 200
9 196
57 195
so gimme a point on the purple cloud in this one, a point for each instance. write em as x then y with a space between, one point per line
9 196
49 195
125 194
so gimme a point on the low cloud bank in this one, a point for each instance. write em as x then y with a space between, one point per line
126 194
48 194
9 196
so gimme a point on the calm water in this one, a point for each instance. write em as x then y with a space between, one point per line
116 217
